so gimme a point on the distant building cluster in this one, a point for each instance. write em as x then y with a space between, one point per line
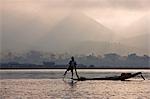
37 59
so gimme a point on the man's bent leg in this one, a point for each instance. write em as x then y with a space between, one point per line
65 73
76 73
72 73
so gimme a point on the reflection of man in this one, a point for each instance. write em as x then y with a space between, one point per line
72 65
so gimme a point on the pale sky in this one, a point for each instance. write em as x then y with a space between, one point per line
111 13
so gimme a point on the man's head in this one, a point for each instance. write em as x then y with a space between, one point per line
72 58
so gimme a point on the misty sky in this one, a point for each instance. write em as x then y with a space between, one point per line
109 12
29 18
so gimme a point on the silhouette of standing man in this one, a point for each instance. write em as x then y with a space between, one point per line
72 65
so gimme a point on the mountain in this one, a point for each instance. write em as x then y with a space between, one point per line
75 28
75 33
101 48
138 34
21 30
79 34
140 42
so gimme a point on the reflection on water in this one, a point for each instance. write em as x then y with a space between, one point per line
58 73
58 89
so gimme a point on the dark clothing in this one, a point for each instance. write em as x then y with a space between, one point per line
72 65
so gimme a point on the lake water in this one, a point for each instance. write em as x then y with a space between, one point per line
48 84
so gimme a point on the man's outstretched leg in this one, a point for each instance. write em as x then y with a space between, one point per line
65 74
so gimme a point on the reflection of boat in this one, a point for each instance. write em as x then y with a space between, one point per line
123 77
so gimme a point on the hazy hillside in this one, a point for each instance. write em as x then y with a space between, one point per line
75 33
138 35
22 29
19 31
80 34
74 29
104 47
140 42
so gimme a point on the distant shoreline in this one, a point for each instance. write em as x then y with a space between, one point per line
77 68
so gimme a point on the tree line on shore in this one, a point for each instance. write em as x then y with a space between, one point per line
37 59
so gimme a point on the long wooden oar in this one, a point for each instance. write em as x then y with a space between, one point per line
142 77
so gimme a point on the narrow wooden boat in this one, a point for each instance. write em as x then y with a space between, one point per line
123 77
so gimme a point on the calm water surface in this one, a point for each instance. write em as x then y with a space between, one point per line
58 73
48 84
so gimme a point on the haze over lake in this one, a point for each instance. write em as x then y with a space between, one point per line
77 27
94 33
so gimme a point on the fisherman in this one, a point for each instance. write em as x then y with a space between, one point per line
72 65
